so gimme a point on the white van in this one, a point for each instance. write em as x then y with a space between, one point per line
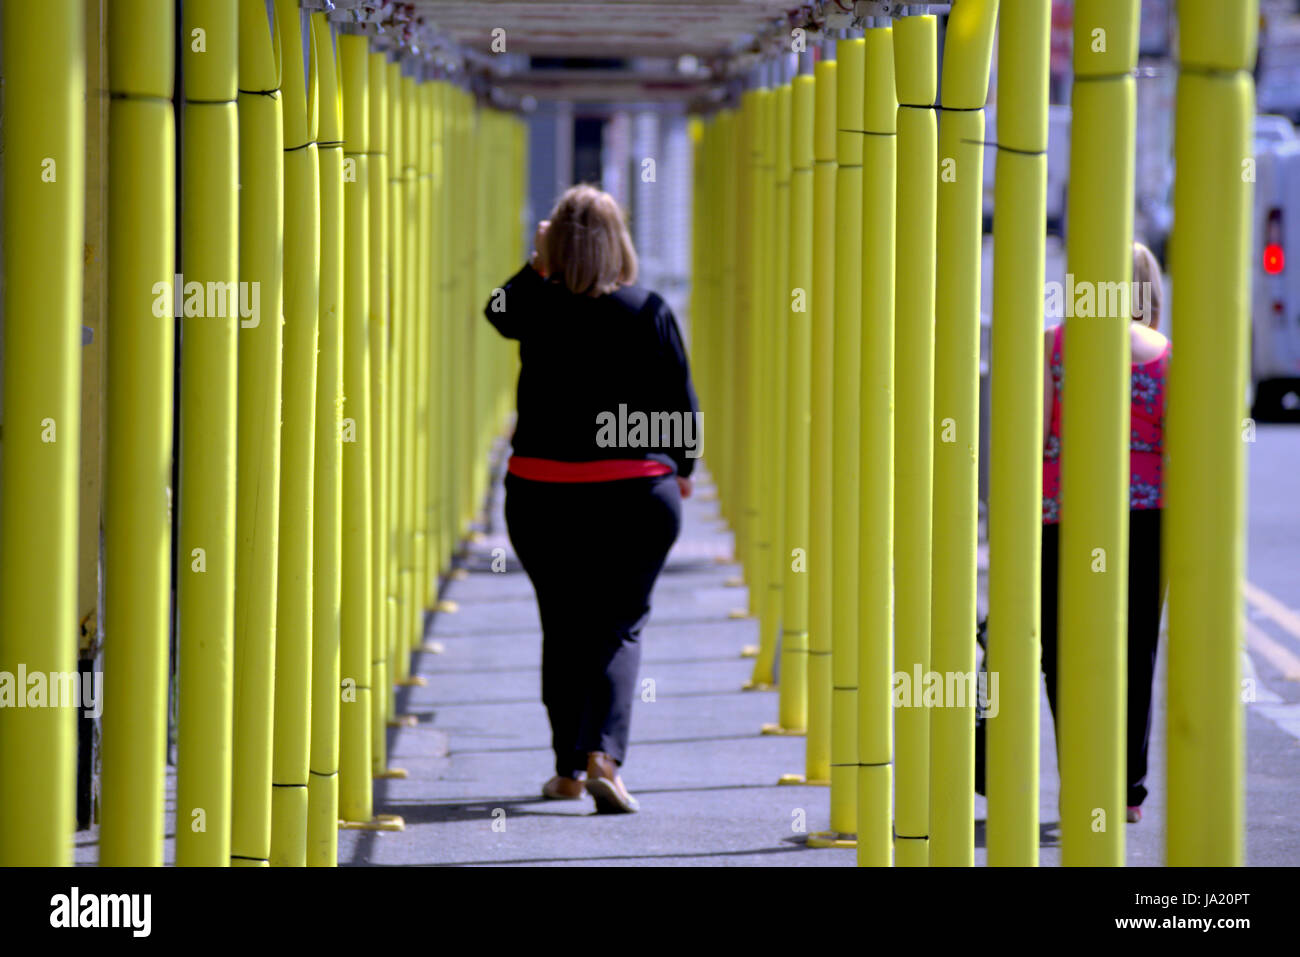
1275 292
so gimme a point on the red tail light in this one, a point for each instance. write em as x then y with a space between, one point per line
1274 254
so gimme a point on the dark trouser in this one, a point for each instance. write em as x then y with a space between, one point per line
592 551
1145 596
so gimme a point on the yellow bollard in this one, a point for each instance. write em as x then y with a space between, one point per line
205 586
1016 445
968 49
398 667
435 314
261 233
845 444
817 752
916 83
327 532
298 449
138 448
876 514
756 357
791 348
728 334
381 689
407 453
1204 535
1092 658
743 326
355 799
420 400
44 178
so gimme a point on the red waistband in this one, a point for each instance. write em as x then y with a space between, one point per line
607 470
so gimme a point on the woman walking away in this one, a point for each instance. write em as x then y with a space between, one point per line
1150 352
606 438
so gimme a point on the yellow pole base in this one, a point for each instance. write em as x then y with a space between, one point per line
403 721
245 862
832 839
757 686
391 774
784 732
380 822
749 651
433 648
413 681
912 851
446 607
793 779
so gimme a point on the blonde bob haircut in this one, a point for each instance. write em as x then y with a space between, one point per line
1148 289
587 244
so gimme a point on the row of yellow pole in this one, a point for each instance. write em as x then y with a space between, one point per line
320 495
837 339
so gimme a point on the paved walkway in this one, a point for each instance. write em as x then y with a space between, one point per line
705 777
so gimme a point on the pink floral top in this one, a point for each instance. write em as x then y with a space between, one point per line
1146 434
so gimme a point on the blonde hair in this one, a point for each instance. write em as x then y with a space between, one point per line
587 243
1146 276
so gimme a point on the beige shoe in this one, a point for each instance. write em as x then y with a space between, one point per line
562 789
604 784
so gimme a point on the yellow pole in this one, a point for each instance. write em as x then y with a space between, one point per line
846 440
398 666
327 532
743 325
257 518
355 804
724 301
817 753
44 135
381 689
756 358
410 376
434 315
1092 660
790 551
728 336
447 359
422 406
917 86
205 585
298 430
968 50
1016 445
876 529
1205 490
756 337
137 524
774 393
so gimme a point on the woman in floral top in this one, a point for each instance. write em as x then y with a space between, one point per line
1150 356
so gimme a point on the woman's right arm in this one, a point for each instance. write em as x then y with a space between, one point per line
507 306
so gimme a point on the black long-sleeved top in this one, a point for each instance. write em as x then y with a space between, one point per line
601 377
